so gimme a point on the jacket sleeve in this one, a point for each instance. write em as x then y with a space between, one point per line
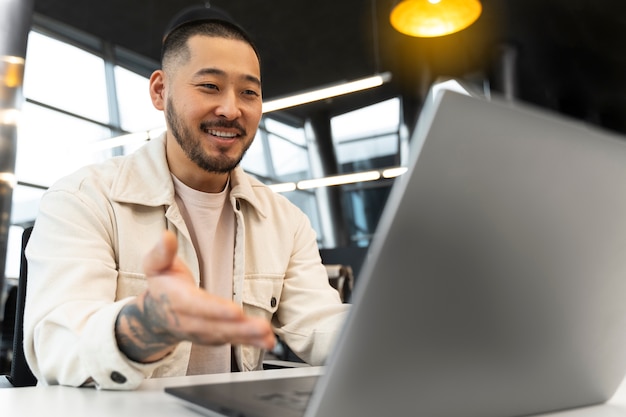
71 304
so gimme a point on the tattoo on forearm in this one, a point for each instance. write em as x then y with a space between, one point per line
140 329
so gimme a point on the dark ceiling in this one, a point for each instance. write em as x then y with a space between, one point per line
566 55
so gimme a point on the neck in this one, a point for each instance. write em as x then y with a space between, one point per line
208 183
192 175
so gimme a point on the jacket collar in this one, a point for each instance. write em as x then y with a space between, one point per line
144 178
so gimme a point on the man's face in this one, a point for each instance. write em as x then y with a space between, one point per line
213 103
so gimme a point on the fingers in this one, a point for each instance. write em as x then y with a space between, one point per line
255 335
246 331
197 303
262 335
162 255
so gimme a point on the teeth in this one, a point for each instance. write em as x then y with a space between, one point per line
222 134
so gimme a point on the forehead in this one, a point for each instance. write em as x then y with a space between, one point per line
227 54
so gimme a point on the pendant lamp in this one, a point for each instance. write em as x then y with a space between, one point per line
430 18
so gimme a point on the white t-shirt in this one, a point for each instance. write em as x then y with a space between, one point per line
211 223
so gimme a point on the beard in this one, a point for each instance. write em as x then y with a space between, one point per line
192 144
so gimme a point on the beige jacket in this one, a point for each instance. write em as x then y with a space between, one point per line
85 262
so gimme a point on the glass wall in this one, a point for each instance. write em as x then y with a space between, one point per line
365 139
135 107
368 138
78 96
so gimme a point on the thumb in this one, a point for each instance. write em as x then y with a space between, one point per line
162 255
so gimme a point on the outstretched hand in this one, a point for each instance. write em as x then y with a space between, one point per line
174 309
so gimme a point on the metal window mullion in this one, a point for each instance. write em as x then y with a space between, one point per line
115 122
267 151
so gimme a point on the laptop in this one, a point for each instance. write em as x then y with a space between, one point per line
495 284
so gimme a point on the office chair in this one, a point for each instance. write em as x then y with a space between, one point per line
20 374
341 278
8 327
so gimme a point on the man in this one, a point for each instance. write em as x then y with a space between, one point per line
171 260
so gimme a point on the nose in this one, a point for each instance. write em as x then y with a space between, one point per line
228 106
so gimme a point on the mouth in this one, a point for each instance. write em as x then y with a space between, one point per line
221 133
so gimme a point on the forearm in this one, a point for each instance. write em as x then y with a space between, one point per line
139 332
63 349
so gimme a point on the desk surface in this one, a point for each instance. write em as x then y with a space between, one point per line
150 400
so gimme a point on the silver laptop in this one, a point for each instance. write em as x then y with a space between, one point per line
495 284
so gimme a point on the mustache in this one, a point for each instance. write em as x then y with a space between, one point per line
227 124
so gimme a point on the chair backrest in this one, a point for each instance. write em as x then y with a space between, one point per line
341 278
20 374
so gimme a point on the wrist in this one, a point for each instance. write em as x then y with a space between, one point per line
139 336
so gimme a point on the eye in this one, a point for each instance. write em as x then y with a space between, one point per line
253 93
209 86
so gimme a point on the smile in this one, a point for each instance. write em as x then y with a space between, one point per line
221 134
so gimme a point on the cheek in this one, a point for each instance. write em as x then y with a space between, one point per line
191 110
254 123
253 115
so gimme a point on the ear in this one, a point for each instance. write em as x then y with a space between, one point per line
157 89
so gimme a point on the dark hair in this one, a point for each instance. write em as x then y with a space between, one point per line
175 42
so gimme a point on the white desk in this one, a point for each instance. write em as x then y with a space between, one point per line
150 400
147 401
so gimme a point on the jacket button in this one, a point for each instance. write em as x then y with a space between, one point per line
237 205
273 302
117 377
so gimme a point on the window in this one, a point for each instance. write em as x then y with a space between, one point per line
135 107
291 162
71 104
278 154
369 137
52 144
255 159
65 77
365 139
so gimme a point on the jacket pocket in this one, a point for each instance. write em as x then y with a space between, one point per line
130 284
262 292
261 296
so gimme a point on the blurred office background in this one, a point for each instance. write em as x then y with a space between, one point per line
85 91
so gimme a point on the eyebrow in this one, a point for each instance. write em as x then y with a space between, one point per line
221 73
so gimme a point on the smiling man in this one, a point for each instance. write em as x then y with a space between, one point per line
172 261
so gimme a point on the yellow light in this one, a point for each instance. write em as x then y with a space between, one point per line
8 178
11 71
430 18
